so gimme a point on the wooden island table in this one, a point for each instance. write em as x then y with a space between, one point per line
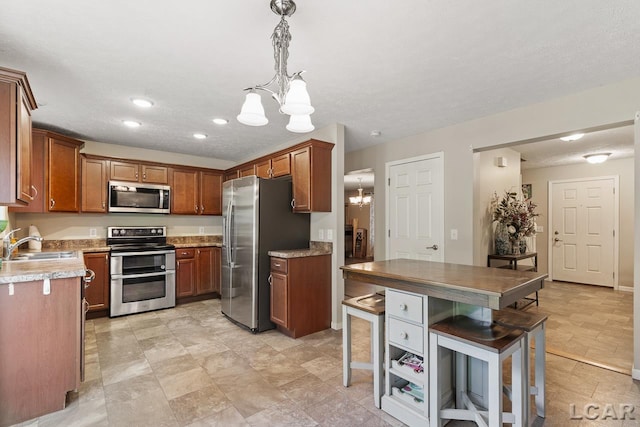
420 293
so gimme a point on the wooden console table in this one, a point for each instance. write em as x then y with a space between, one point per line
513 265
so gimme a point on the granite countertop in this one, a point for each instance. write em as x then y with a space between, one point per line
315 249
30 271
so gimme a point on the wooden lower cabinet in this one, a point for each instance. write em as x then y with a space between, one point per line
97 292
40 338
197 271
301 294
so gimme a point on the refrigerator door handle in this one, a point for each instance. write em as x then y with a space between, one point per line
231 234
227 233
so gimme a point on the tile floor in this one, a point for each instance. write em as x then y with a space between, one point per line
190 366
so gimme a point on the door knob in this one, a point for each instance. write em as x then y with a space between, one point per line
434 247
557 240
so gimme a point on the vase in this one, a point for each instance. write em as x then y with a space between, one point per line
501 239
522 244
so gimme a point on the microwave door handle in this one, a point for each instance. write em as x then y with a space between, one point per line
161 199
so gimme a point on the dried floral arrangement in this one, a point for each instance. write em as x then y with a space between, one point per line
516 213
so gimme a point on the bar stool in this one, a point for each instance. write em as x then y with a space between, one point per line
369 308
534 326
490 343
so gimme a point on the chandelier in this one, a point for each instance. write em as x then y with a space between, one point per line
360 199
289 91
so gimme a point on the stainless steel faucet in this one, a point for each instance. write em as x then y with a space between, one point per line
9 248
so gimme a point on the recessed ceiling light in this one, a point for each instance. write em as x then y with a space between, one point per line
597 158
131 123
140 102
220 121
375 133
574 137
199 135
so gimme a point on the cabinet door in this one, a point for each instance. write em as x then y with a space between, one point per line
184 192
281 165
263 169
301 179
204 270
94 185
62 168
38 141
280 299
25 189
229 175
217 269
155 174
185 277
97 292
124 171
210 193
247 171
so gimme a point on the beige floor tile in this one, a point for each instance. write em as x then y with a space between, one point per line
179 384
250 394
151 409
283 414
199 404
132 388
324 367
81 414
229 417
124 371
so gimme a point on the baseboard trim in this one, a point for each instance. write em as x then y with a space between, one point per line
625 288
635 374
336 326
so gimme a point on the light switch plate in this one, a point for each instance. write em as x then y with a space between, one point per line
201 230
454 234
539 229
329 234
93 232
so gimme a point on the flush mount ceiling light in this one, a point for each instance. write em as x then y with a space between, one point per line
199 135
140 102
574 137
597 158
290 90
220 121
360 199
131 123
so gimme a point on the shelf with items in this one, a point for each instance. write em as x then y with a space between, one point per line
405 368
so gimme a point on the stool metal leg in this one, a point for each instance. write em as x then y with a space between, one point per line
346 347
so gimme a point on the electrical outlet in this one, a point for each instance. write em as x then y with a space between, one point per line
539 229
454 234
329 234
93 232
201 230
321 234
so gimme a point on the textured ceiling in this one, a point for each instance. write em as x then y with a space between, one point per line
399 67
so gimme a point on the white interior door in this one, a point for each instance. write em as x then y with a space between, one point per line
415 218
583 228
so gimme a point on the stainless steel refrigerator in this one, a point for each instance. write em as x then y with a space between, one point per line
256 217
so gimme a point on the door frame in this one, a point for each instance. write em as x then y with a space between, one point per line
437 155
616 221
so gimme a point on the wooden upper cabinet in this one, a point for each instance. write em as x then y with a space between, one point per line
16 104
185 191
94 184
38 142
274 167
138 172
311 177
63 164
210 193
230 174
247 171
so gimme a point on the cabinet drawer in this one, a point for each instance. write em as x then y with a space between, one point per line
407 335
185 253
279 265
404 306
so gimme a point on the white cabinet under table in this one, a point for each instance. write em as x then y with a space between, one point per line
420 293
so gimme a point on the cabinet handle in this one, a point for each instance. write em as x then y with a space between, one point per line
404 335
293 203
102 205
276 264
89 277
52 203
196 208
136 175
270 279
35 195
202 208
403 306
144 176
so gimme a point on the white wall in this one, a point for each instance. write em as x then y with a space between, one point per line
540 177
608 104
489 179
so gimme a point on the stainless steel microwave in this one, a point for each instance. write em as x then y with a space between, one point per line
139 197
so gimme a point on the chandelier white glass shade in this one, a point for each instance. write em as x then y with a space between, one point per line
289 91
360 199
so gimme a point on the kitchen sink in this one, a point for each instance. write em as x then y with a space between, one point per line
35 256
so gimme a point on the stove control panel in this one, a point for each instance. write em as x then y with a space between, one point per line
128 232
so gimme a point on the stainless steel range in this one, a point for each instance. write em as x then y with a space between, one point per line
143 275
